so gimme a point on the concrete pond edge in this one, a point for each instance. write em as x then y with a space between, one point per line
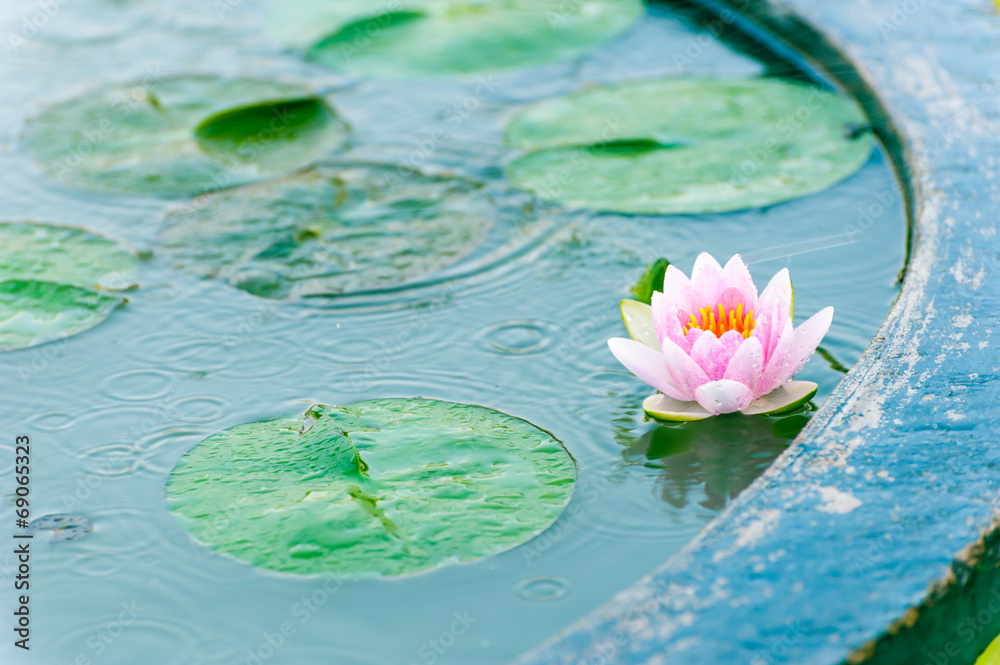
876 537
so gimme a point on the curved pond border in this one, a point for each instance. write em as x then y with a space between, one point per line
876 538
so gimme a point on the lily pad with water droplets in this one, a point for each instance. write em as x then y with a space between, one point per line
428 37
331 230
63 526
638 318
65 255
382 488
676 146
182 136
33 313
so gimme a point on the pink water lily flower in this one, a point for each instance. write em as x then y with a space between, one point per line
711 345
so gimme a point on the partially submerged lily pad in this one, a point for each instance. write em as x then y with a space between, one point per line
782 399
64 255
427 37
675 146
182 136
63 526
33 313
331 230
382 488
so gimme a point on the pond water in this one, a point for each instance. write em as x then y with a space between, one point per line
518 325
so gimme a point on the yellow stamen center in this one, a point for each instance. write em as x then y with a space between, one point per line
722 321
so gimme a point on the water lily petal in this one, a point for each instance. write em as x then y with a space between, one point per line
776 367
778 293
687 375
807 337
691 337
770 323
723 396
666 408
706 276
645 363
638 318
675 281
711 356
666 321
737 276
747 364
732 341
785 397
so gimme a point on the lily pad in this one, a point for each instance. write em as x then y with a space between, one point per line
331 230
638 318
63 526
429 37
382 488
182 136
668 409
64 255
33 312
650 281
676 146
783 399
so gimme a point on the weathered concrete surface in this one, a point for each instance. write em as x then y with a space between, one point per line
875 538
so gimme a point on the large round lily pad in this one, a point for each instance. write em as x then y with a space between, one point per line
426 37
382 488
33 312
182 136
331 230
64 255
676 146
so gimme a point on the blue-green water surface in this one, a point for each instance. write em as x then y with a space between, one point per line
519 326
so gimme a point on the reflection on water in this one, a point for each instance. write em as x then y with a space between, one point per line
711 461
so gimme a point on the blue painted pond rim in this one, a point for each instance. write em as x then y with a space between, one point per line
875 538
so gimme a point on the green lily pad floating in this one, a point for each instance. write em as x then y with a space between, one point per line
33 313
330 230
64 255
430 37
54 282
382 488
182 136
651 280
675 146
